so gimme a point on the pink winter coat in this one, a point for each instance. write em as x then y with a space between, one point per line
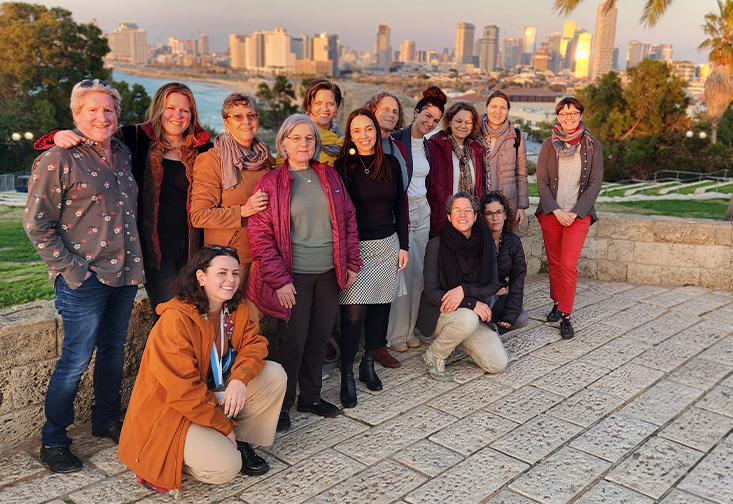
269 236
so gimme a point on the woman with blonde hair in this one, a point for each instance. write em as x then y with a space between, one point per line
164 148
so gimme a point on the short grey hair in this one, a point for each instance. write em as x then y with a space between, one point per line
235 99
87 86
288 126
458 195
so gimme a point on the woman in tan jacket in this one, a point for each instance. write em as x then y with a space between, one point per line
204 390
224 178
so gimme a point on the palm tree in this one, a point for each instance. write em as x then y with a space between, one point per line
651 14
718 87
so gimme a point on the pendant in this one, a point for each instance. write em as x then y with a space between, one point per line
366 170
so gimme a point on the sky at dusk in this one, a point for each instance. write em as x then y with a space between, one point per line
430 23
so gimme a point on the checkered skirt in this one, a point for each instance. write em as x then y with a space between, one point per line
378 281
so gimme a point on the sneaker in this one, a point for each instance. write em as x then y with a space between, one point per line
566 328
60 459
554 314
436 367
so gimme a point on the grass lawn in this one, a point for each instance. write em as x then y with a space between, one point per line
23 276
533 189
697 209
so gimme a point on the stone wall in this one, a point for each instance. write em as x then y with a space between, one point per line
625 248
647 250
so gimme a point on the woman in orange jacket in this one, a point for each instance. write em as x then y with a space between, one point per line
204 390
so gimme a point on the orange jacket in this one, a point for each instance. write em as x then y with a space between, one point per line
170 391
218 212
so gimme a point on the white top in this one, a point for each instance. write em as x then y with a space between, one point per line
568 181
420 170
457 173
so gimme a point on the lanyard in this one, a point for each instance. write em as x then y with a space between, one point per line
215 358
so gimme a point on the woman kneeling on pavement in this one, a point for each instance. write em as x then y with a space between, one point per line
460 280
204 390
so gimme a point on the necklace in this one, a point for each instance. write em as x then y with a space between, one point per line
301 176
366 170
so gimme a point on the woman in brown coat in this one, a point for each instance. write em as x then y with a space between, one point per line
204 390
224 178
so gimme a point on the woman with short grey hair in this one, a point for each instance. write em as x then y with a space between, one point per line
223 196
306 252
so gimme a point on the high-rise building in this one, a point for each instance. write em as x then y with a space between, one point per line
204 44
129 44
383 48
407 51
510 53
297 46
489 49
464 43
262 50
568 29
530 39
278 56
664 52
325 48
178 46
602 60
582 54
237 51
192 46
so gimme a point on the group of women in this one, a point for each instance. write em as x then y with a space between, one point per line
337 219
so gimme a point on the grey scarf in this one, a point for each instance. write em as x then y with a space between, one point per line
491 159
333 149
235 157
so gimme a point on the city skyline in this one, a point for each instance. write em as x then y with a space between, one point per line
426 22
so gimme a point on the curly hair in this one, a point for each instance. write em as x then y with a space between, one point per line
451 113
491 197
186 286
374 102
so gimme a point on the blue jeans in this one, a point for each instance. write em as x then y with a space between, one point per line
93 315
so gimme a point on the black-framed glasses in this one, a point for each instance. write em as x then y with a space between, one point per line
214 247
90 83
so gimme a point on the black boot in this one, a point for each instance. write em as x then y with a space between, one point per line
366 371
348 387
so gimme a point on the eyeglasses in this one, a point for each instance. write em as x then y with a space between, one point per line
565 115
466 211
241 117
498 213
310 140
90 83
214 247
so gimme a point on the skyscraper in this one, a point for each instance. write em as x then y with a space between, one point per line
204 44
602 60
510 53
325 48
530 38
464 43
129 44
407 51
489 49
384 50
582 54
568 29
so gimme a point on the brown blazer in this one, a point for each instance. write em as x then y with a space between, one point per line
591 177
170 391
217 211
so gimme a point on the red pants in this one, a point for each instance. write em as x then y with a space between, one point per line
563 245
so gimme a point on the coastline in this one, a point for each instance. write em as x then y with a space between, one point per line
248 86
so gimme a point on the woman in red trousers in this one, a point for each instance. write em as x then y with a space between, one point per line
569 176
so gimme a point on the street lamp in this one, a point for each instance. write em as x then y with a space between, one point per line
21 139
691 135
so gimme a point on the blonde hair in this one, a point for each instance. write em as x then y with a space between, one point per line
83 88
157 108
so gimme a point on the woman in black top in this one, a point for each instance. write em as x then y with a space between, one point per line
507 313
374 183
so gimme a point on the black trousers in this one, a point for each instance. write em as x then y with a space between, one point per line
304 340
174 256
374 318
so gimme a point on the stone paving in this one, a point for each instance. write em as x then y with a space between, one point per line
637 409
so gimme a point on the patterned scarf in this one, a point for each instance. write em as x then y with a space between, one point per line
462 153
235 157
491 158
566 144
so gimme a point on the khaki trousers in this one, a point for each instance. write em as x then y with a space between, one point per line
403 315
209 456
464 329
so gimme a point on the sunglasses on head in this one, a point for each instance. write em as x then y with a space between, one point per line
90 83
214 247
